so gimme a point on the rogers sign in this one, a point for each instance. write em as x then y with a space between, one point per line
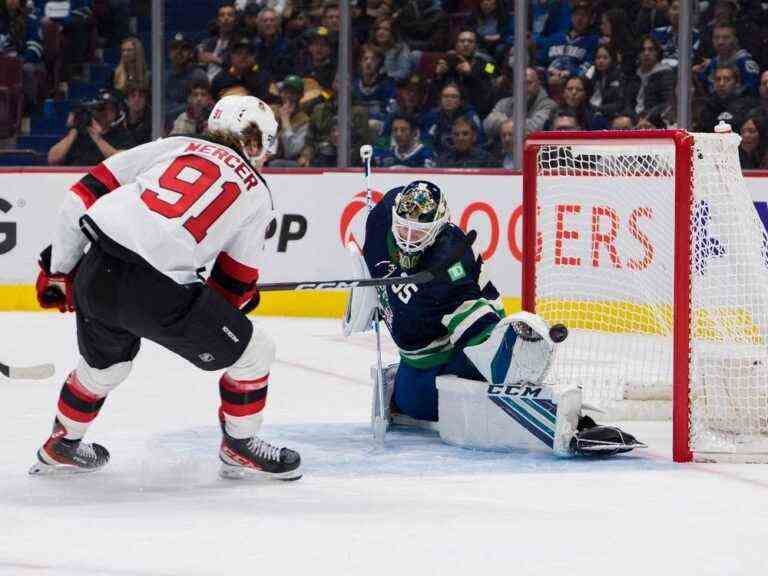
578 229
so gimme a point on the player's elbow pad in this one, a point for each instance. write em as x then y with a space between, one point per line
236 282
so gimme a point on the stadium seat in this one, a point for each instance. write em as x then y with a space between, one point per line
14 157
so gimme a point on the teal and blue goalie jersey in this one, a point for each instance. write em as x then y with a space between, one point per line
429 322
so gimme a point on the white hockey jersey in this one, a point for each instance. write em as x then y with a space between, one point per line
180 203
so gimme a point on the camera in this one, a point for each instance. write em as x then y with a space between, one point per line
83 114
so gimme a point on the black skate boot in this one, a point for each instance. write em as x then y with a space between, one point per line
255 458
61 456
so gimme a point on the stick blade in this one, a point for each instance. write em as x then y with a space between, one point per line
39 372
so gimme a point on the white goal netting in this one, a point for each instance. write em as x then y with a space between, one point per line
605 268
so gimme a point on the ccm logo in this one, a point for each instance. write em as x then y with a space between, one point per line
325 285
513 390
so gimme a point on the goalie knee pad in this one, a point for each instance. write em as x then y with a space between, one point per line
519 349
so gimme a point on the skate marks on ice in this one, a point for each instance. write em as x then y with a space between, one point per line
346 450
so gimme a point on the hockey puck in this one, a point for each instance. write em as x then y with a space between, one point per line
558 333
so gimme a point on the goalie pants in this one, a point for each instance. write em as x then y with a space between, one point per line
416 388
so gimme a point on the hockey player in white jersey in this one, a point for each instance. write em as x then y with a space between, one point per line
155 216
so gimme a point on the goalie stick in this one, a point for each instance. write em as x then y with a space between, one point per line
38 372
380 422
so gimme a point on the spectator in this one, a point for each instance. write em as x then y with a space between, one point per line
538 107
550 18
281 7
371 89
576 102
727 52
505 156
20 37
649 17
94 133
463 152
654 82
331 18
213 53
762 105
138 116
407 151
76 21
726 103
132 67
650 121
293 122
565 120
423 23
623 121
243 71
182 74
494 27
617 34
752 150
409 101
271 49
437 124
199 105
250 20
398 59
608 84
667 36
322 139
570 54
317 61
474 71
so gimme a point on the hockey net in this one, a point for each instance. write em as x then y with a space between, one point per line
648 247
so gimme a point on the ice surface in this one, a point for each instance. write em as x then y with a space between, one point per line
415 507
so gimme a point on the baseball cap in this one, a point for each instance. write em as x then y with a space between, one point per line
179 40
292 82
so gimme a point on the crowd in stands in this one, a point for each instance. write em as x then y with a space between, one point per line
431 80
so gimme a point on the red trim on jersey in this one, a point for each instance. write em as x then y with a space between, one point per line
235 299
232 385
77 388
243 409
84 193
103 175
236 270
76 415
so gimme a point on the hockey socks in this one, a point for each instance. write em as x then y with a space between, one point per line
77 407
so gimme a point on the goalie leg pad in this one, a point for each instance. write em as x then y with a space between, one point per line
361 302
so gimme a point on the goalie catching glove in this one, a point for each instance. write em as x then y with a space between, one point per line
54 290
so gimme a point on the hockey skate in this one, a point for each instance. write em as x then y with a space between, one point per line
59 456
255 458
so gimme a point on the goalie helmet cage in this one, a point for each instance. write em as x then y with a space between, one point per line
646 244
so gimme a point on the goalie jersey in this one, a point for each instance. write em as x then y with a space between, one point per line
180 203
430 322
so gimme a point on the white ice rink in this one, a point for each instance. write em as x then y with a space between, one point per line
416 507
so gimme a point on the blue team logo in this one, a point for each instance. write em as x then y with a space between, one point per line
705 246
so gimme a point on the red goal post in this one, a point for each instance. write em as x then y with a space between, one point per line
675 310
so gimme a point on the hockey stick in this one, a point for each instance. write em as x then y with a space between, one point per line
39 372
419 278
379 420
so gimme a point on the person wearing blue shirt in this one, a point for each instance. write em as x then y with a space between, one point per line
573 53
407 151
727 52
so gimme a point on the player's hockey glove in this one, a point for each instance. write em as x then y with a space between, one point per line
54 290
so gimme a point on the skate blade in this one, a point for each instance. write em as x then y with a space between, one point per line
242 473
42 469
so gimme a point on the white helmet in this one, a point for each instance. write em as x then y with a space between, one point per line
235 113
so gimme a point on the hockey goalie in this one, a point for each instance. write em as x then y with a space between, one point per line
453 335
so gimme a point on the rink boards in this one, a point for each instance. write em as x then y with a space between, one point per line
319 211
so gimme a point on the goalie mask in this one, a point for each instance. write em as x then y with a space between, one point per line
236 114
419 213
